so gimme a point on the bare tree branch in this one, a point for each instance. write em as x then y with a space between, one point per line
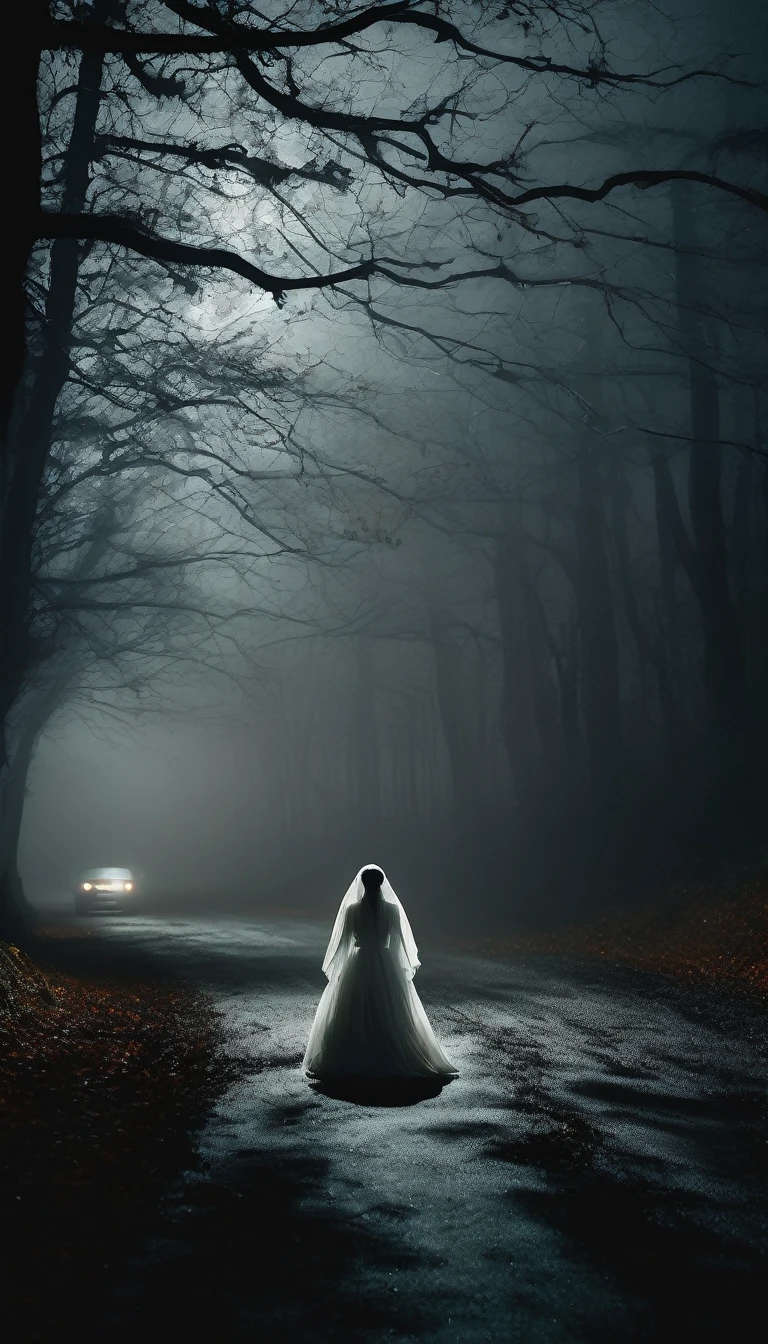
227 36
115 229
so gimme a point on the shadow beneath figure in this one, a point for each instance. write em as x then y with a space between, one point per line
380 1091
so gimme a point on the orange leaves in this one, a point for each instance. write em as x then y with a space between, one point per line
100 1097
692 932
138 1048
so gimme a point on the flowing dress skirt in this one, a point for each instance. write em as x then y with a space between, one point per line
371 1023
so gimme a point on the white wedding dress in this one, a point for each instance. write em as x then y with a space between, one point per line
370 1022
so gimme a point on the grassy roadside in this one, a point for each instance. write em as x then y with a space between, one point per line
103 1084
703 935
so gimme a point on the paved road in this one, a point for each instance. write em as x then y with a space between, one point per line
596 1173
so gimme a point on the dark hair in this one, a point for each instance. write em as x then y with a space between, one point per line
371 877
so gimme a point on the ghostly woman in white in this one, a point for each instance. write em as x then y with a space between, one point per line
370 1022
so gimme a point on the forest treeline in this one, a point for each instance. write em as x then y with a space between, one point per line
562 675
439 471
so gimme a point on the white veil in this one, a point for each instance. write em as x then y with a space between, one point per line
342 940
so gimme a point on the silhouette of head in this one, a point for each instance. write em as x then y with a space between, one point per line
371 879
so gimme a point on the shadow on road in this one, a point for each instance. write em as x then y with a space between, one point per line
381 1091
687 1281
683 1262
262 1252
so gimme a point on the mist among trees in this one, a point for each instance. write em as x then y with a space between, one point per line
386 386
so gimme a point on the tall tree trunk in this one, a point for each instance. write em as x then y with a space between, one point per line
15 912
724 675
31 714
620 495
599 644
454 693
567 665
667 519
600 700
30 441
22 153
651 646
366 737
743 513
528 710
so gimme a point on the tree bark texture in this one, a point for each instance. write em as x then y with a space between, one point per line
30 442
724 674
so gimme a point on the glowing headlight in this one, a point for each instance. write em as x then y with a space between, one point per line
86 886
128 886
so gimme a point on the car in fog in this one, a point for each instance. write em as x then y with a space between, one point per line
105 889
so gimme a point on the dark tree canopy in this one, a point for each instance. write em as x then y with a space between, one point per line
547 207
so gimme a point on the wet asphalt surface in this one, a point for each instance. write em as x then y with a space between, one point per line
596 1173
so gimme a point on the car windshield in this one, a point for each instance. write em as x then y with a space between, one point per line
108 875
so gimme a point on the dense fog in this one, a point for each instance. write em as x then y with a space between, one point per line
459 565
